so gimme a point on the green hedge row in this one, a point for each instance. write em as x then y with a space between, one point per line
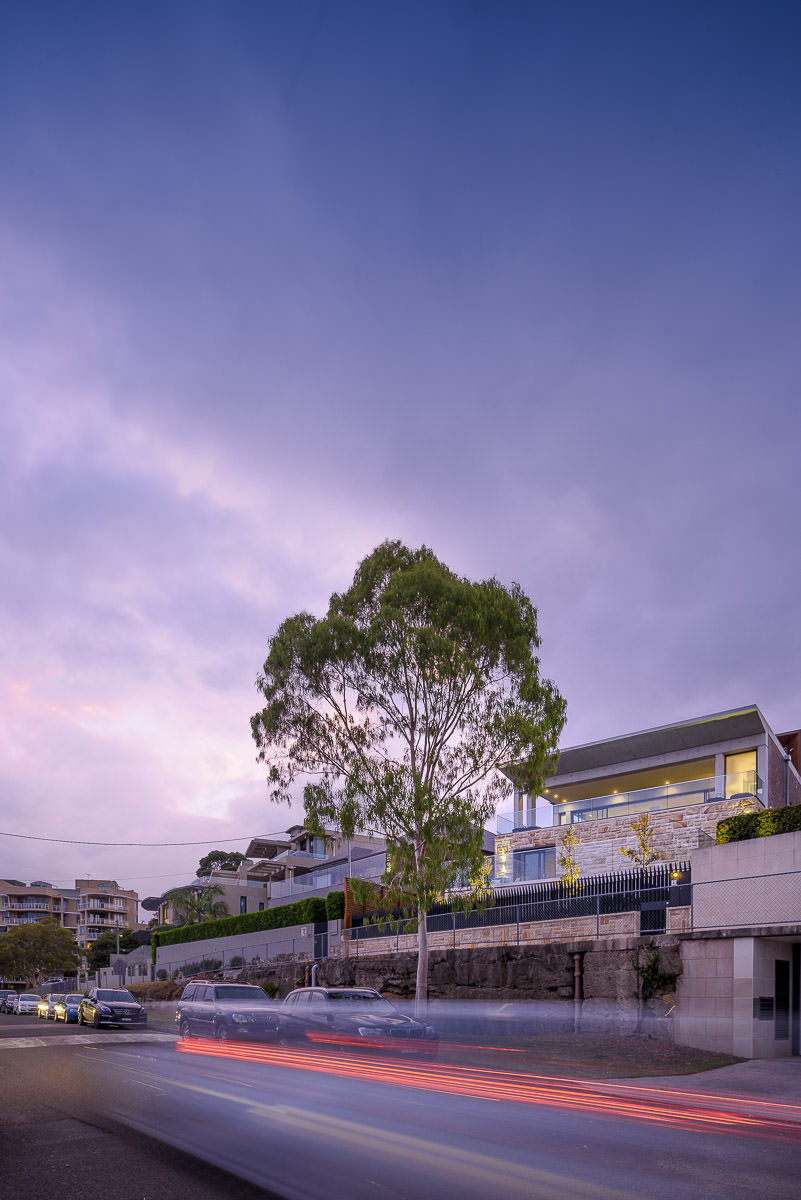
335 906
759 824
302 912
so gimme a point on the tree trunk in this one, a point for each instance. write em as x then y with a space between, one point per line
421 990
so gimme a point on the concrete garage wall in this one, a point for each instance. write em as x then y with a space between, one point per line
751 883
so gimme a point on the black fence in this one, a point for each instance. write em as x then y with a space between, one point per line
648 890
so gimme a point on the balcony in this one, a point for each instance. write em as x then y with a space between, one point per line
744 785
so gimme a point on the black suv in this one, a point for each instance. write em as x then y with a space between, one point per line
238 1012
110 1006
358 1018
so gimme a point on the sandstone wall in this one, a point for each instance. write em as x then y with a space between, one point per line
678 832
541 974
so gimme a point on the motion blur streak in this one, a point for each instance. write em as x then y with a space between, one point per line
496 1085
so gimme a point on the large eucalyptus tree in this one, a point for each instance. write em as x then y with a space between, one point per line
397 710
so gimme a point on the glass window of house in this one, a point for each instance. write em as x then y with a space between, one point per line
530 865
741 773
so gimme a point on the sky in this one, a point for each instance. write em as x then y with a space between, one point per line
280 280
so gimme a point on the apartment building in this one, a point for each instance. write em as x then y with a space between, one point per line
88 909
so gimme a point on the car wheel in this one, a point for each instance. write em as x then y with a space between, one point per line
183 1029
222 1034
96 1021
80 1016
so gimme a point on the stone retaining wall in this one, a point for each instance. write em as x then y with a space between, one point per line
539 973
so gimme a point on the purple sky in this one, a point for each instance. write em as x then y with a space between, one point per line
279 281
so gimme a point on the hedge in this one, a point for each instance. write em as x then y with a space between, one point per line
335 906
759 824
302 912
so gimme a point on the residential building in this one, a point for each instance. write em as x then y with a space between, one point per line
282 867
303 864
87 910
685 776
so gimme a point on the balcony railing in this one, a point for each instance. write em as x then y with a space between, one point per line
744 785
370 867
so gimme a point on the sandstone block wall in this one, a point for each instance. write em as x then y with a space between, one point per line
678 832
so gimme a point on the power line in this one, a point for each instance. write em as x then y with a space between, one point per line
30 837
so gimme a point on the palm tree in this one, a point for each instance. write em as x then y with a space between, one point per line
192 907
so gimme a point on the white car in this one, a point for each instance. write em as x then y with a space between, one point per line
28 1003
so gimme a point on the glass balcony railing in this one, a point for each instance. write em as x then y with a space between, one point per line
744 786
371 867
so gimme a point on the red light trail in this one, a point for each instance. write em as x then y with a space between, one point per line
683 1110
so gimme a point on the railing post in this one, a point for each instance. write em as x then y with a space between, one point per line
453 918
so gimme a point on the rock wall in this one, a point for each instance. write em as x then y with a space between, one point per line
542 974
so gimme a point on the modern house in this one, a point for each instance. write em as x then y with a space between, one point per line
685 776
288 866
301 863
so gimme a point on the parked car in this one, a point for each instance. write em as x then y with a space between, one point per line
47 1006
5 996
354 1017
10 1003
110 1006
28 1002
66 1007
238 1012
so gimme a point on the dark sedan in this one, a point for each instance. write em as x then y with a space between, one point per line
238 1012
353 1017
110 1006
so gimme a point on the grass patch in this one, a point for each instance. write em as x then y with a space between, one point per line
584 1056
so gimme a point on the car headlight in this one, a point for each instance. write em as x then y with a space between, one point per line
240 1018
102 1008
429 1031
368 1031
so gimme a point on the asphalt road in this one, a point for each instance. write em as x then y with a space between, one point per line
141 1110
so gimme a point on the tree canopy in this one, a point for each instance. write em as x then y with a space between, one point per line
219 860
34 951
101 949
398 710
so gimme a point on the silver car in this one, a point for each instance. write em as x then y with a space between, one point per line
28 1003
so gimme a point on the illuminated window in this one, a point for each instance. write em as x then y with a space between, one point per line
741 773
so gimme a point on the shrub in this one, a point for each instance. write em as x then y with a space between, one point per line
161 974
302 912
236 961
335 906
763 823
